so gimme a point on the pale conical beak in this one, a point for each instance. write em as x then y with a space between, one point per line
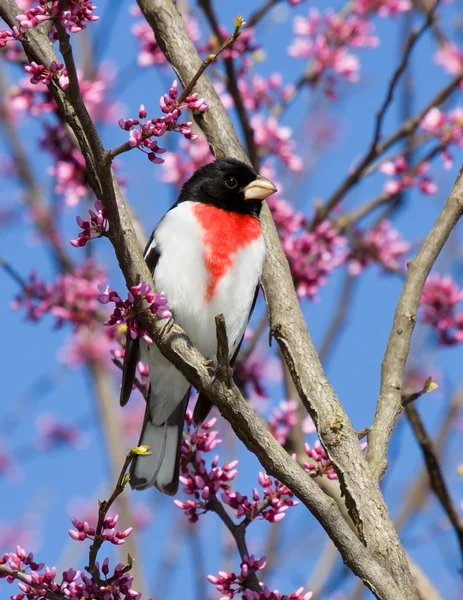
259 189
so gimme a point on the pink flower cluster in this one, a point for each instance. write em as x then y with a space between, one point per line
275 501
69 168
439 306
384 8
41 74
230 584
6 36
273 139
382 244
450 58
326 39
258 92
40 580
149 51
95 227
125 311
71 298
53 434
141 133
250 373
282 420
322 464
199 481
313 255
83 531
407 176
447 127
74 16
180 166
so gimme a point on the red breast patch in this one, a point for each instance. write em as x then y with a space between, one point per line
224 233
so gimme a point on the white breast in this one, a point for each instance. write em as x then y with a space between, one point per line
182 275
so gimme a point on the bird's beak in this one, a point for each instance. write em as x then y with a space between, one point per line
259 189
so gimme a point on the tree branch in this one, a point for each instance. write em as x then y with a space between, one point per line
393 366
436 478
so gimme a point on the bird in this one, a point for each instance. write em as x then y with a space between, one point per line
206 254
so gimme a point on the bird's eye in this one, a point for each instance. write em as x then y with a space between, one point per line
231 183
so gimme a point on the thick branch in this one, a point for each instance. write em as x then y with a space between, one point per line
393 366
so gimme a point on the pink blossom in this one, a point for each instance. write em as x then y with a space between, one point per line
53 433
197 479
141 133
282 420
6 35
74 17
86 346
125 311
321 464
42 75
384 8
259 92
274 139
407 176
326 39
272 506
95 227
439 307
447 127
71 298
149 51
230 584
450 58
252 373
179 166
313 255
83 531
382 244
42 581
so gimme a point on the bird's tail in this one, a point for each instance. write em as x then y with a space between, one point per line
161 467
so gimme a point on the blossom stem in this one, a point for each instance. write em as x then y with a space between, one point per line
105 505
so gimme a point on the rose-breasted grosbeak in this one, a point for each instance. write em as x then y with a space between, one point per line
206 254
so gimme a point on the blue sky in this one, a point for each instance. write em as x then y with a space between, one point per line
46 483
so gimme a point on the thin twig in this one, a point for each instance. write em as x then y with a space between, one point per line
24 578
411 42
188 89
403 131
105 505
436 478
260 13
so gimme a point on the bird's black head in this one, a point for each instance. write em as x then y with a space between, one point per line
229 184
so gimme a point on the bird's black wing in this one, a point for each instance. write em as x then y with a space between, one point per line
132 347
203 405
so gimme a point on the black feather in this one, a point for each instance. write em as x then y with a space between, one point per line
132 347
